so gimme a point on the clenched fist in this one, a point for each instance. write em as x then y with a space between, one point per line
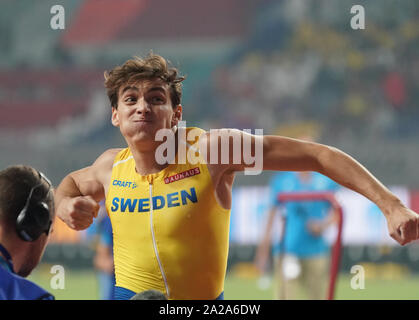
78 212
402 223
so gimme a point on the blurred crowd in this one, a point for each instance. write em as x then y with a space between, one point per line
308 65
292 64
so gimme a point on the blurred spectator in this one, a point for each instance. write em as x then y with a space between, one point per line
101 234
395 89
301 257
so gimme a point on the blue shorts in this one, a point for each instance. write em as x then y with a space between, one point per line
125 294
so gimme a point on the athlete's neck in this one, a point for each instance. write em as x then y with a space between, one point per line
145 163
145 159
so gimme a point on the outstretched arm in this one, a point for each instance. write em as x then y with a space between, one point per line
298 155
287 154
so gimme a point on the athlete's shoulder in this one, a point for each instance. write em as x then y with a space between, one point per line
221 132
111 153
108 157
194 128
101 169
191 135
210 137
101 166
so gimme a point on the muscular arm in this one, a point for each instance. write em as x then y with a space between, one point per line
282 153
77 196
286 154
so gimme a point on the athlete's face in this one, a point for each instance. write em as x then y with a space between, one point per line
143 108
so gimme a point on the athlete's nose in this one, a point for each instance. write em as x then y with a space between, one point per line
143 106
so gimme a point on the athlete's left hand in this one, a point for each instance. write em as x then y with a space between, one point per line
402 223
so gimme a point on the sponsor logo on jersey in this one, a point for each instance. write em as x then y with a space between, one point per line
182 175
124 184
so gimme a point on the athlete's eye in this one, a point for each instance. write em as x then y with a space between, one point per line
157 99
130 100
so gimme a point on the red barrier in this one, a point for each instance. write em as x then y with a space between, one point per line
337 246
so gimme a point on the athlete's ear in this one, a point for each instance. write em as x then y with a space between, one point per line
177 115
115 118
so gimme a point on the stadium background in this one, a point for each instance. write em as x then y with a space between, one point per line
284 66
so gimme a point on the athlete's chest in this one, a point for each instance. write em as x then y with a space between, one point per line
169 192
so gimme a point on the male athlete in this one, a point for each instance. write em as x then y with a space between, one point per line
171 220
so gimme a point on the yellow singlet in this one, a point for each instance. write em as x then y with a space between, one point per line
169 232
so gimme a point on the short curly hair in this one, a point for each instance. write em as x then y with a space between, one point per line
137 69
15 185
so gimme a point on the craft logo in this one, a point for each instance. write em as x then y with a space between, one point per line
182 175
124 184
